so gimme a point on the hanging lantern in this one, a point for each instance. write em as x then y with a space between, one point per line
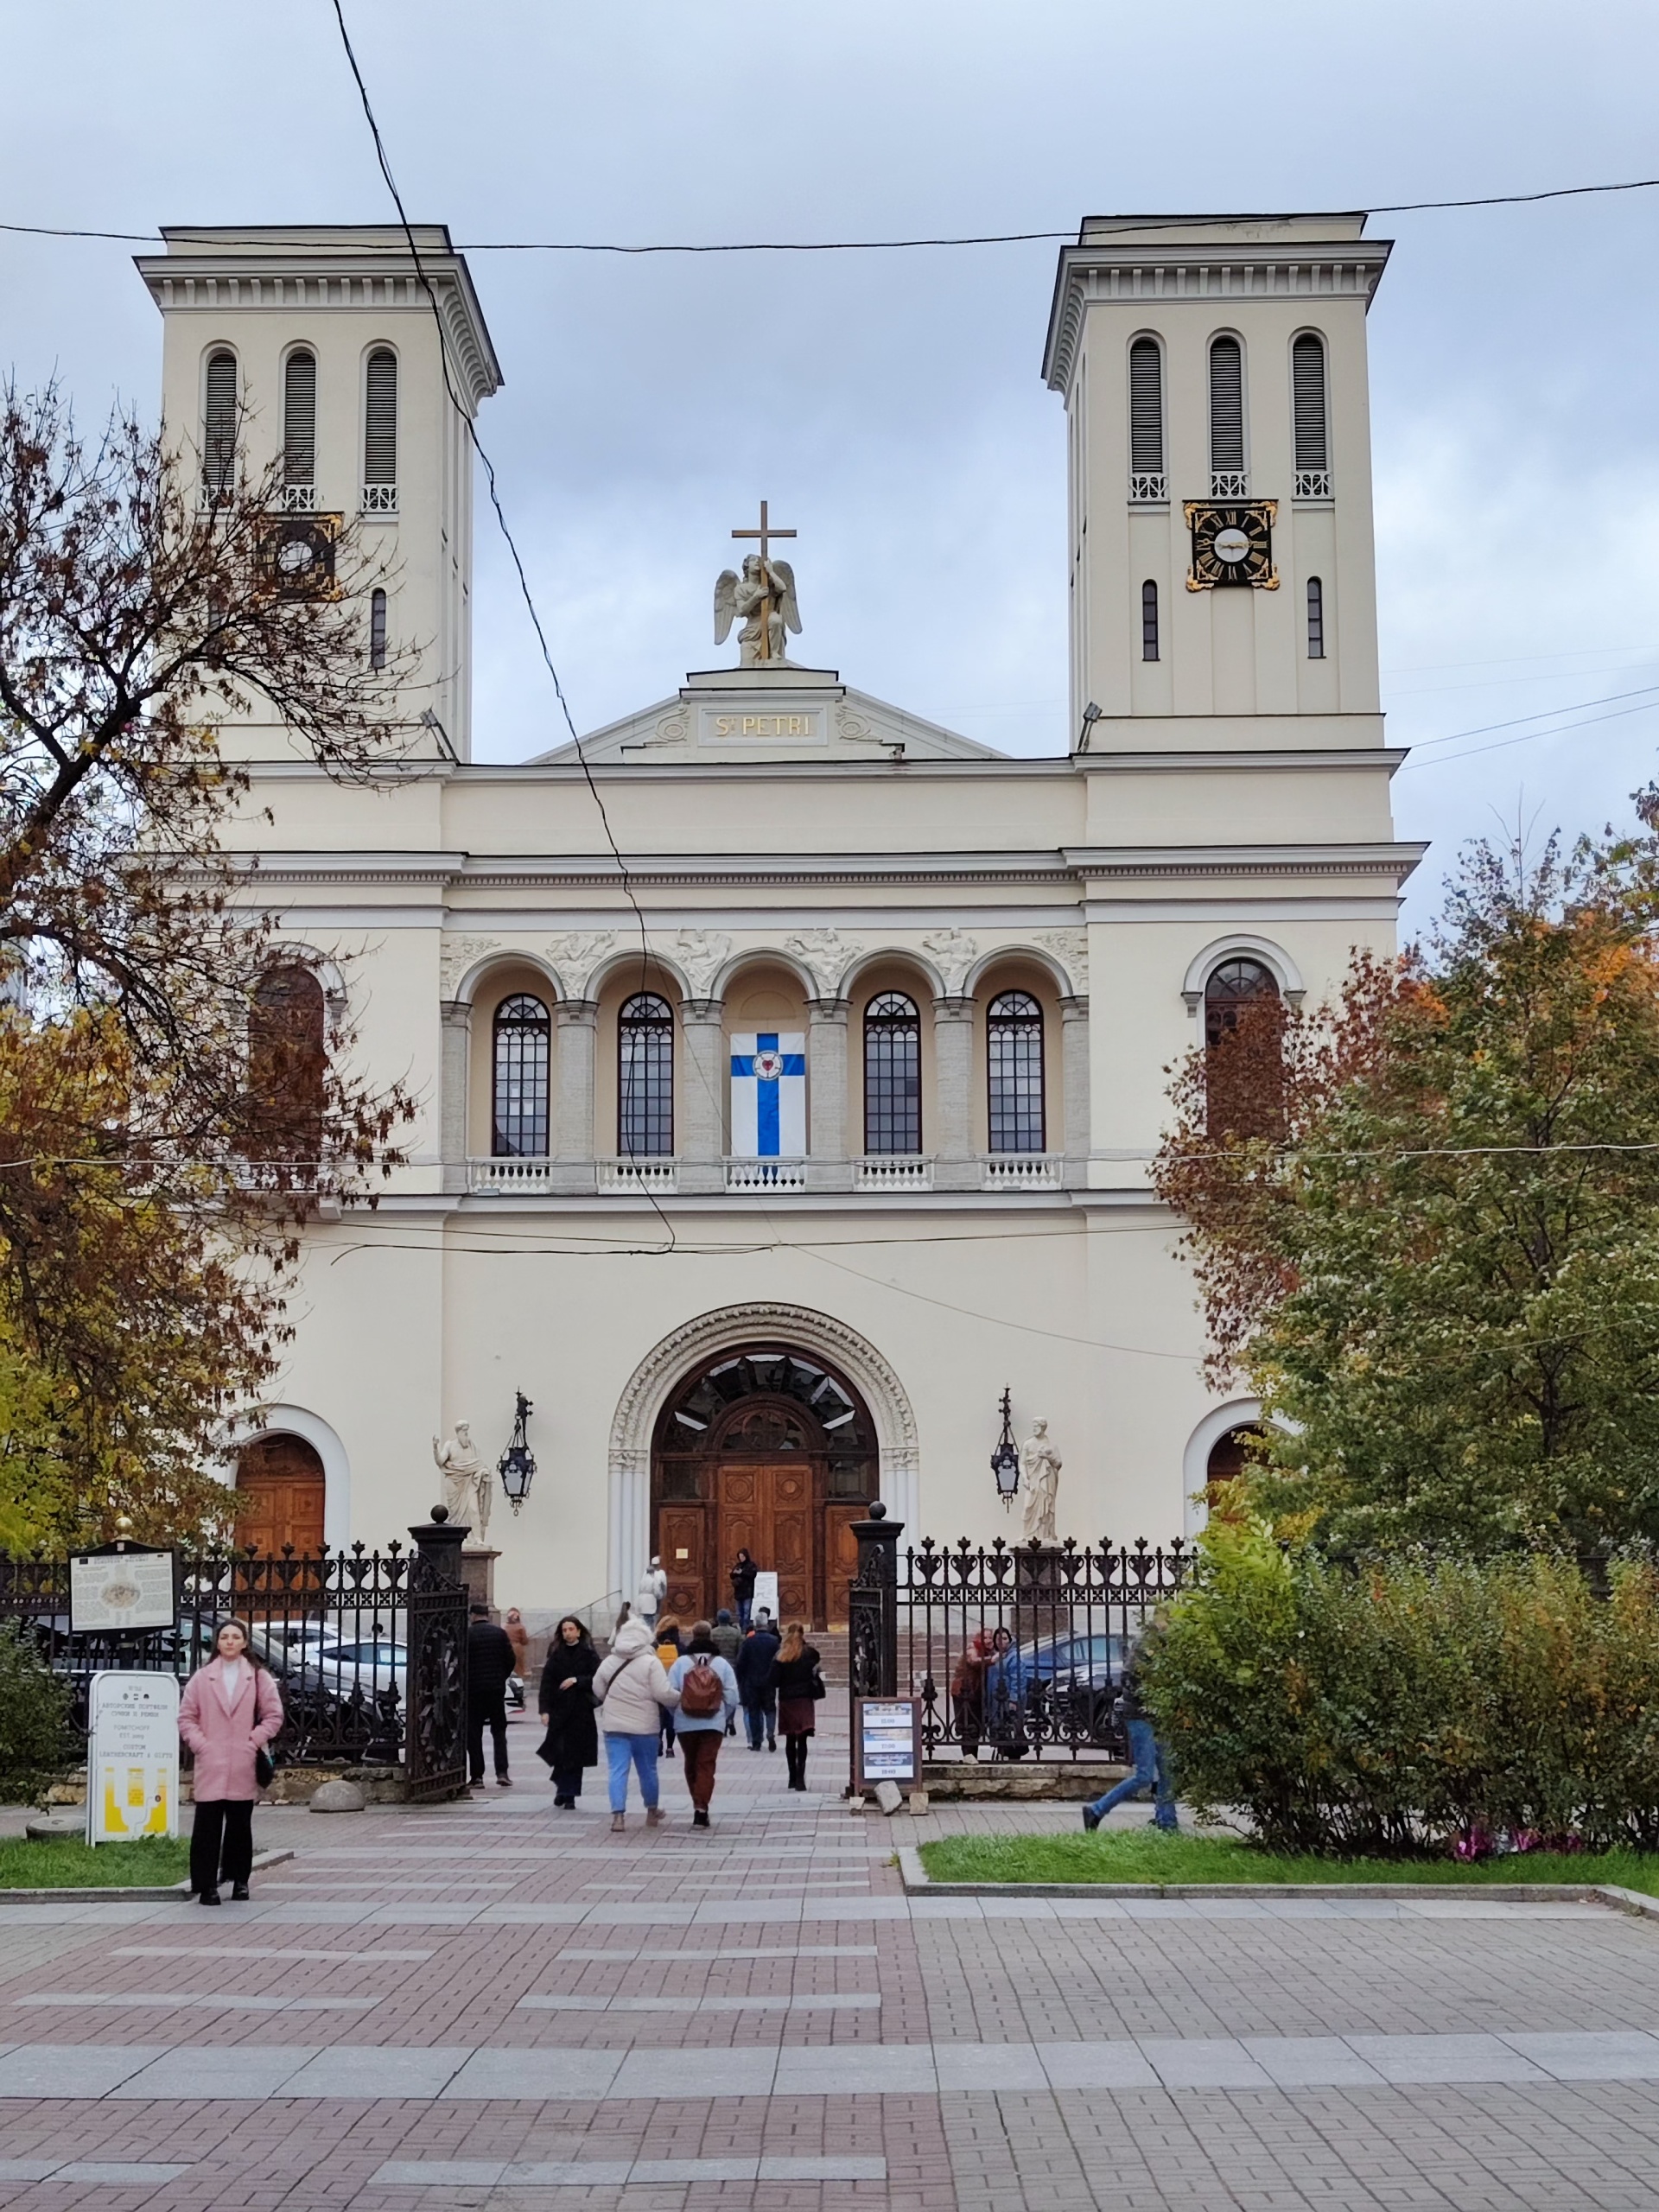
517 1466
1005 1461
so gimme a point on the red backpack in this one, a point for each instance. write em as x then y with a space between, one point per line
701 1694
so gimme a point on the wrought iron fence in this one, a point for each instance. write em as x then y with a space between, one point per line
1016 1651
339 1630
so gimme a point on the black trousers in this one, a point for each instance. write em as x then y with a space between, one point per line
493 1709
221 1843
795 1755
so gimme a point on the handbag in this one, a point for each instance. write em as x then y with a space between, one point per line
264 1766
819 1689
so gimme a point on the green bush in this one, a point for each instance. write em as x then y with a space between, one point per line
1403 1707
35 1735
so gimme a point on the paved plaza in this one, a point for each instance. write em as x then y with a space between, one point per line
495 2005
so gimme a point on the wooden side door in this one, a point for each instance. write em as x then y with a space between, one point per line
791 1538
280 1497
841 1560
682 1544
744 1517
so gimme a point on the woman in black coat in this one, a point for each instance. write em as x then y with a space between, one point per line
795 1677
567 1705
744 1570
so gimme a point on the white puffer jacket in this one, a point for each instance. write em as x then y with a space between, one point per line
633 1684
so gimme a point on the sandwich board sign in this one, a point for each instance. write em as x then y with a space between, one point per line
766 1593
887 1741
132 1757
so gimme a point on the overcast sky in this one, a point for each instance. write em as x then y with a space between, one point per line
891 406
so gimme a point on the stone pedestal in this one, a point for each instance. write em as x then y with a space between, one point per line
1042 1598
477 1572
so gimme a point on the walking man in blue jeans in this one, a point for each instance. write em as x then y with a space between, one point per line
1146 1753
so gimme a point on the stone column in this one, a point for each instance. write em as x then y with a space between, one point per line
701 1105
457 1020
574 1148
826 1082
1074 1089
955 1167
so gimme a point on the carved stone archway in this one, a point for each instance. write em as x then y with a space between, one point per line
695 1342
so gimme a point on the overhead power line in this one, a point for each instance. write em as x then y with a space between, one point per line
885 245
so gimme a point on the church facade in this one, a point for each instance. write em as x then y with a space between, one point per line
763 1160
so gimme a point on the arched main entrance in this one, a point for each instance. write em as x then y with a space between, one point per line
770 1449
281 1493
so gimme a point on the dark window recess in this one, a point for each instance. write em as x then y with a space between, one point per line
645 1087
892 1075
219 441
376 629
1148 620
1014 1041
287 1065
1315 618
300 419
522 1035
1147 408
1243 1035
1226 404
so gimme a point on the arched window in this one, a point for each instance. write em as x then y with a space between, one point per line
1308 405
300 428
1148 620
220 425
893 1074
1315 618
380 433
645 1078
519 1113
287 1066
1243 1024
377 628
1146 477
1013 1038
1228 478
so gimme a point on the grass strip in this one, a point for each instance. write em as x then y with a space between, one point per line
1144 1855
66 1863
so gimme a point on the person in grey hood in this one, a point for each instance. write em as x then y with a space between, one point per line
631 1688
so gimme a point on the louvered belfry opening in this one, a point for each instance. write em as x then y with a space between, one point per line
380 420
1147 420
219 440
300 419
1307 387
1227 416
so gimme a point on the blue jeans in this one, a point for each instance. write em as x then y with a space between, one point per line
762 1714
623 1752
745 1607
1150 1773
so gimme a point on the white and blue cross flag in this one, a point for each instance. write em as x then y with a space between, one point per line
769 1095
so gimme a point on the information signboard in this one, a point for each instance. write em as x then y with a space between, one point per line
132 1757
765 1592
112 1591
887 1740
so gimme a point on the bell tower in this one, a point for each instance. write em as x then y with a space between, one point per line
1222 588
319 344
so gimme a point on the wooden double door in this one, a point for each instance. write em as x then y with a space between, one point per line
776 1510
280 1497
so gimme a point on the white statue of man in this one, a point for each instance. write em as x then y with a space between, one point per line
1039 1472
466 1482
763 600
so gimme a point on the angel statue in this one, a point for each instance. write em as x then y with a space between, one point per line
763 600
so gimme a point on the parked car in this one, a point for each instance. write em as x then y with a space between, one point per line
1065 1686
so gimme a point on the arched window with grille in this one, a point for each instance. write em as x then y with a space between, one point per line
300 429
893 1074
645 1078
1243 1038
1014 1040
519 1086
221 410
1148 480
1315 618
1228 479
1149 620
287 1066
1308 407
380 433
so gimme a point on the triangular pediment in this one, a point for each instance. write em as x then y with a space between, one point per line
760 714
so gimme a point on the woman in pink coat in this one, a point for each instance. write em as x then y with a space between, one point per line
229 1711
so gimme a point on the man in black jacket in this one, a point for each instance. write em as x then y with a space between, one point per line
490 1661
754 1667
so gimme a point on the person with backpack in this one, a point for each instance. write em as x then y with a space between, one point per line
753 1671
799 1686
707 1689
632 1692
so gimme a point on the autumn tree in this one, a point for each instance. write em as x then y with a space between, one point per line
166 1120
1438 1266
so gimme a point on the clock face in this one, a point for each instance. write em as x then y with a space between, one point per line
297 555
1232 543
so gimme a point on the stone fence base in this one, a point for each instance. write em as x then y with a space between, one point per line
381 1785
957 1782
